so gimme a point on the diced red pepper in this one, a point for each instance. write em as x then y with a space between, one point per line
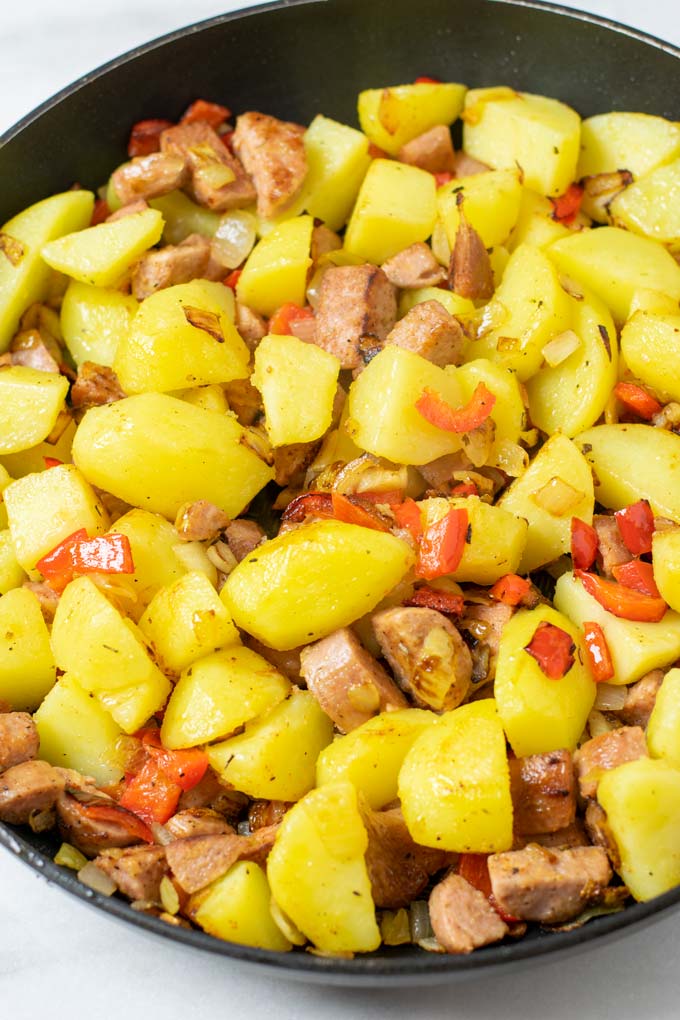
636 524
351 512
637 575
553 649
408 516
51 462
637 400
201 109
623 602
233 278
470 416
584 543
350 509
425 79
116 814
100 212
151 794
510 589
185 768
465 489
78 554
433 598
597 650
145 136
283 320
308 504
56 566
566 207
442 545
443 178
375 152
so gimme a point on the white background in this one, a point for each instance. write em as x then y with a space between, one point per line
60 959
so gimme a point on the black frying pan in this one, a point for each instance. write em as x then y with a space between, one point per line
297 58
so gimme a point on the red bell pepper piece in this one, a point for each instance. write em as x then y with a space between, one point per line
566 207
116 814
375 152
78 554
597 650
465 489
442 545
553 649
408 516
51 462
283 320
56 566
352 512
308 504
425 79
623 602
637 400
100 212
233 278
391 498
151 794
442 178
439 413
443 601
510 589
584 543
637 575
636 524
145 136
201 109
185 768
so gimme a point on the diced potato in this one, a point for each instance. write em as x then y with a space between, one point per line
535 224
642 801
306 583
528 309
505 129
454 784
571 396
337 161
77 733
382 415
317 871
194 556
158 453
93 320
509 413
152 543
26 662
652 301
30 402
496 542
650 206
106 655
11 573
632 462
663 729
210 398
615 264
626 141
498 260
540 714
276 269
453 303
102 255
185 621
43 509
396 206
236 908
557 486
635 648
650 345
393 116
182 336
298 382
5 480
183 217
666 560
218 694
491 203
371 755
29 461
275 756
28 280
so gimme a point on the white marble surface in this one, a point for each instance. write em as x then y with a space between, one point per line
59 959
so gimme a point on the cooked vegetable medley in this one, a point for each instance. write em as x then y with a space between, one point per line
340 521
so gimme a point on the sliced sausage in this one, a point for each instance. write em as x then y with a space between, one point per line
28 788
47 597
356 303
607 751
433 151
243 537
263 813
197 861
640 699
95 385
94 833
470 272
291 462
612 550
398 868
462 917
198 822
170 265
29 350
543 792
200 521
430 331
273 153
136 871
562 839
19 740
467 166
482 625
204 152
149 176
414 267
251 326
287 662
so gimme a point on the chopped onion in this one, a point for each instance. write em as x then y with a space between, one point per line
668 417
441 249
208 165
511 458
91 876
41 821
571 287
285 925
145 906
477 443
430 945
492 317
599 724
234 238
611 410
169 897
561 347
364 697
420 921
610 697
366 474
505 344
221 555
69 857
395 928
557 497
599 190
161 835
314 287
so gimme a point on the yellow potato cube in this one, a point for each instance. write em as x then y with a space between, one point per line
540 714
635 648
102 255
26 278
396 115
453 303
650 206
30 402
642 801
30 461
454 784
317 871
650 345
236 908
382 415
306 583
337 161
663 729
182 336
152 543
157 452
535 224
491 203
26 662
11 573
276 269
182 217
652 301
93 320
496 538
210 398
557 486
218 694
77 733
615 264
505 129
626 141
396 206
298 382
275 756
666 560
43 509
